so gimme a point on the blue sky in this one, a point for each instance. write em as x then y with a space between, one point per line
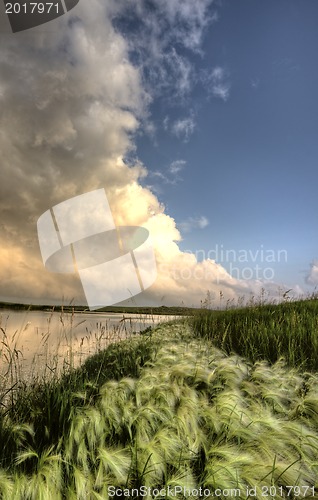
198 118
251 160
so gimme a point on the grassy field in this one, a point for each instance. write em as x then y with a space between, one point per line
288 330
224 404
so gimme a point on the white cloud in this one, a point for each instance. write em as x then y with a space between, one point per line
182 71
172 175
190 19
217 74
67 129
193 223
312 277
63 132
183 128
149 128
176 166
255 82
162 29
222 91
187 19
160 175
165 123
216 82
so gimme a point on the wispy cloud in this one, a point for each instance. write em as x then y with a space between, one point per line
165 123
222 91
176 166
162 29
216 82
189 18
193 223
183 128
255 82
286 67
149 128
171 176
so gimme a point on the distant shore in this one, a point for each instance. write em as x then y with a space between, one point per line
161 310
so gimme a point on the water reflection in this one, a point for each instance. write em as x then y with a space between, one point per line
39 343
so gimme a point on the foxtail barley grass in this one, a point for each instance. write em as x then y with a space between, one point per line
177 406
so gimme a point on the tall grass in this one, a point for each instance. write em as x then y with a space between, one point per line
47 394
288 330
162 409
61 343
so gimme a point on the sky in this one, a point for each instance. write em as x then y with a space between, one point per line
199 119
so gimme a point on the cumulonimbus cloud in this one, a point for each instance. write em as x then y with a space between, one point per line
71 102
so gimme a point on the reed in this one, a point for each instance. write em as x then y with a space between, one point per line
169 408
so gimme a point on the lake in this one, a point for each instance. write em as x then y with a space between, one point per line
36 343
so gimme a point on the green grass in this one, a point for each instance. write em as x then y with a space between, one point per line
48 403
288 330
202 403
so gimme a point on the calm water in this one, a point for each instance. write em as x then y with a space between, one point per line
38 342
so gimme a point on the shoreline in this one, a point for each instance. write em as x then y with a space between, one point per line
157 310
